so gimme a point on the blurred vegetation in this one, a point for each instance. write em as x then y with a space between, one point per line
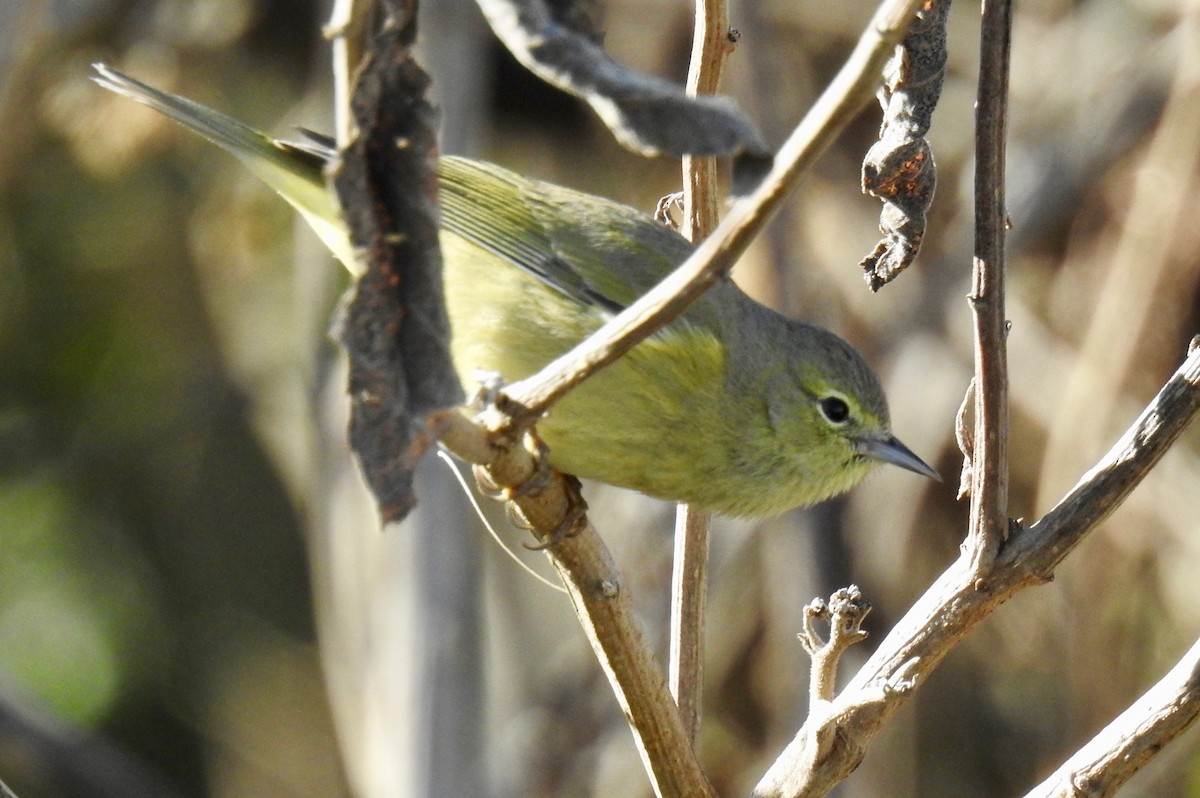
162 363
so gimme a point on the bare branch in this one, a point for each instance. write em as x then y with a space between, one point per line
989 473
711 46
549 504
1163 713
346 32
689 581
689 596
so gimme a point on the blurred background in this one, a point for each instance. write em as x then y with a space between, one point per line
178 515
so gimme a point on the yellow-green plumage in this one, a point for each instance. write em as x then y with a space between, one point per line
732 407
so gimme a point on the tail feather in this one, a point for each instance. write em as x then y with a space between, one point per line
295 171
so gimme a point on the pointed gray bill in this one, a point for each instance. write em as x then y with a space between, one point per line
893 451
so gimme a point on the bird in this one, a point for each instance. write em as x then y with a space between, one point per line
732 407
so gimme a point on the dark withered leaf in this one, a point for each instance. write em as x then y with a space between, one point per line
394 324
899 168
649 115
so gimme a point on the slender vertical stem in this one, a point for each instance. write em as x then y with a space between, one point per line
689 583
989 478
689 592
347 21
711 46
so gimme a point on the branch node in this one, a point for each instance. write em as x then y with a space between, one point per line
608 589
904 680
574 518
1084 786
520 473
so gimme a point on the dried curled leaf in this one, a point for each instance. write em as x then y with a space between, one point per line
899 168
394 325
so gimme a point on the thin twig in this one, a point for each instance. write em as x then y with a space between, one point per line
989 473
1107 761
689 582
852 88
819 736
689 595
345 31
711 47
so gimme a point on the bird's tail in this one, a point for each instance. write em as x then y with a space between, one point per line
295 171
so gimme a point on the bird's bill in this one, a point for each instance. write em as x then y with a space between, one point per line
891 450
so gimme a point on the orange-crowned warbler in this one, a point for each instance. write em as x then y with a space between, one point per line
732 407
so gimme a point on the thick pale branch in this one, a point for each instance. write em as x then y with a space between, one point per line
958 601
1041 547
1125 745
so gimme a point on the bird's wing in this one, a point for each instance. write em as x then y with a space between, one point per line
597 252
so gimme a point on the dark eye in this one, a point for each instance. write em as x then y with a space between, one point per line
835 409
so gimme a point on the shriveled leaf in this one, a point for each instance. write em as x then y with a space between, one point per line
899 168
394 325
647 114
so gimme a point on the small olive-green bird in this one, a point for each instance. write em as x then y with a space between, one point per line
732 407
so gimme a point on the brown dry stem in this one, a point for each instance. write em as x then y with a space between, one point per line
554 513
989 460
689 580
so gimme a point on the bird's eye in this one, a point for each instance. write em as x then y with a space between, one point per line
835 409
